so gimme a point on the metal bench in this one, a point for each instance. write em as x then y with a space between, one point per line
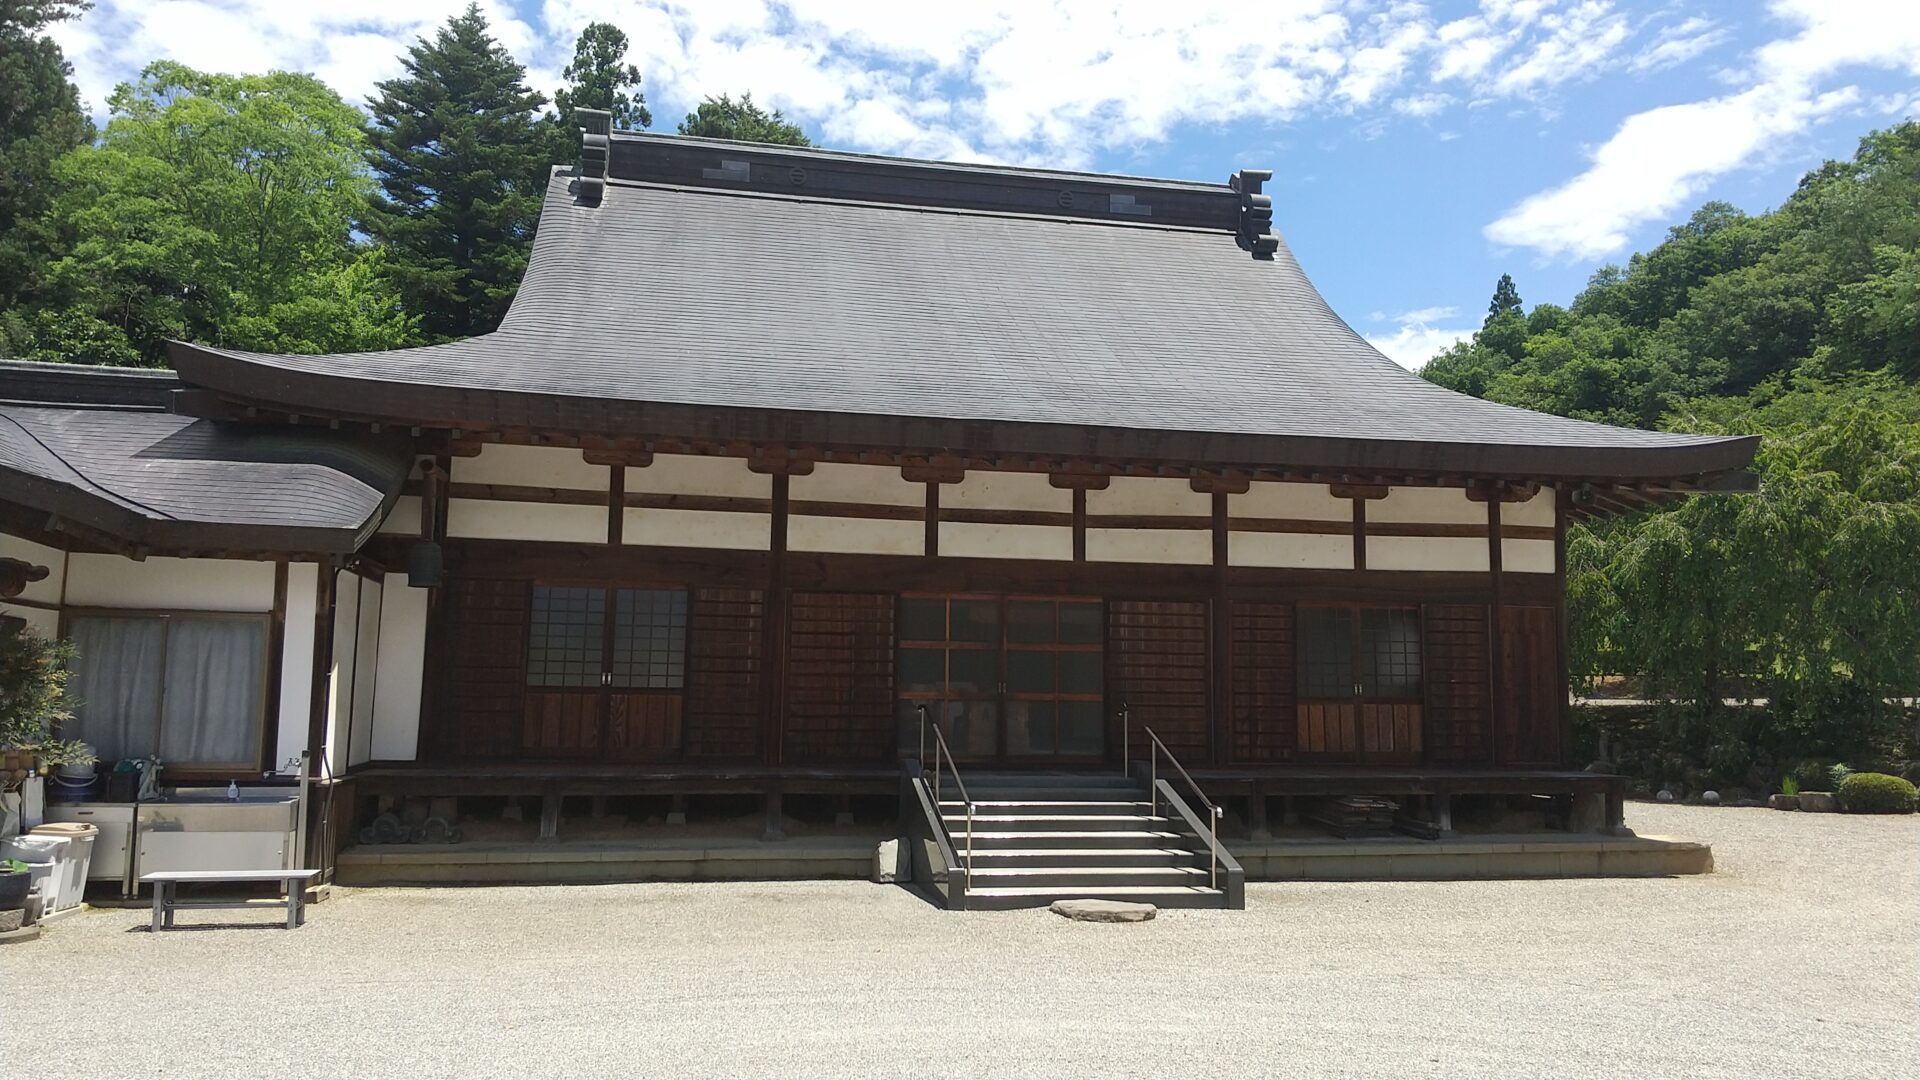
165 903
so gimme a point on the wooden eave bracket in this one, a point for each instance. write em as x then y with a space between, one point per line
1220 483
1080 478
1502 491
1358 491
933 469
781 461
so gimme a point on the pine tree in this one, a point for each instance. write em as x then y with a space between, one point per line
1506 299
600 78
40 119
461 159
597 78
743 121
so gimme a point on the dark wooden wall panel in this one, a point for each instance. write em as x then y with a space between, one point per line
722 717
1263 682
840 702
1459 726
483 665
561 723
1533 697
642 726
1157 669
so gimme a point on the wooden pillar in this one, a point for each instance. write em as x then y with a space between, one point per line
773 634
319 853
1562 500
1359 534
1496 662
616 503
931 546
276 659
1080 524
1219 716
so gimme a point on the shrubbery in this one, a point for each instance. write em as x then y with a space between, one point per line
1876 793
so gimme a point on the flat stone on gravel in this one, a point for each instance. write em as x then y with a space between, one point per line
1104 910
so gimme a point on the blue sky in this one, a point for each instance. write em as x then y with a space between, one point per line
1420 150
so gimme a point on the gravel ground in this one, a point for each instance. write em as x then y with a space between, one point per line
1798 958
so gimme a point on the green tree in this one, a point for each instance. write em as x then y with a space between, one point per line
461 160
599 77
742 121
210 203
40 119
1506 298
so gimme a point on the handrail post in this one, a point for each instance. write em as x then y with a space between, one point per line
969 843
1126 737
922 710
1213 853
1153 777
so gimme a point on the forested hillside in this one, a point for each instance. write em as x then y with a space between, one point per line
1803 325
264 211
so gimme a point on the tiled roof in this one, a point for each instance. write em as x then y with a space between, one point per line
735 295
157 480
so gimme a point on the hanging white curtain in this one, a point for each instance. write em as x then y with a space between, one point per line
212 711
116 683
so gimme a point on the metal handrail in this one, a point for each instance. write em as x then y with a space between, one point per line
1214 813
940 750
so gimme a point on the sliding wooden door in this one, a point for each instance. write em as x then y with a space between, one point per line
1359 684
605 673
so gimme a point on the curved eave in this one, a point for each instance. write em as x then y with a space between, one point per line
101 521
240 377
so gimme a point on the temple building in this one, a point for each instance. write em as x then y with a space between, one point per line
783 456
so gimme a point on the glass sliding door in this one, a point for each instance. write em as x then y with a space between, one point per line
1011 679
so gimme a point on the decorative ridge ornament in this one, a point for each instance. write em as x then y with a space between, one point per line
1256 213
596 135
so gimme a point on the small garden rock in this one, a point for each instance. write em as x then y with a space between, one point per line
1784 802
1664 795
1104 910
1818 802
1711 798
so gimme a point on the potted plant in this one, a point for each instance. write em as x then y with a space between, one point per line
33 705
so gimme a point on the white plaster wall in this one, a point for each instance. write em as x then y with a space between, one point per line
1435 506
698 528
483 519
968 540
346 627
873 484
1526 556
401 668
530 466
696 474
1004 491
296 664
404 518
1427 552
1535 511
1310 551
114 581
47 590
856 536
1148 495
366 671
39 620
1304 502
1187 546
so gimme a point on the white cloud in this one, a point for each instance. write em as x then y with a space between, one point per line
1661 158
1417 340
1058 82
1675 45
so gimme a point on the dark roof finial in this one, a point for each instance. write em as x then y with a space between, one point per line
596 133
1255 233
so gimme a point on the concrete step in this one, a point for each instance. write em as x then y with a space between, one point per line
1017 838
1037 822
956 808
1012 897
1085 877
1056 779
1088 856
1037 793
